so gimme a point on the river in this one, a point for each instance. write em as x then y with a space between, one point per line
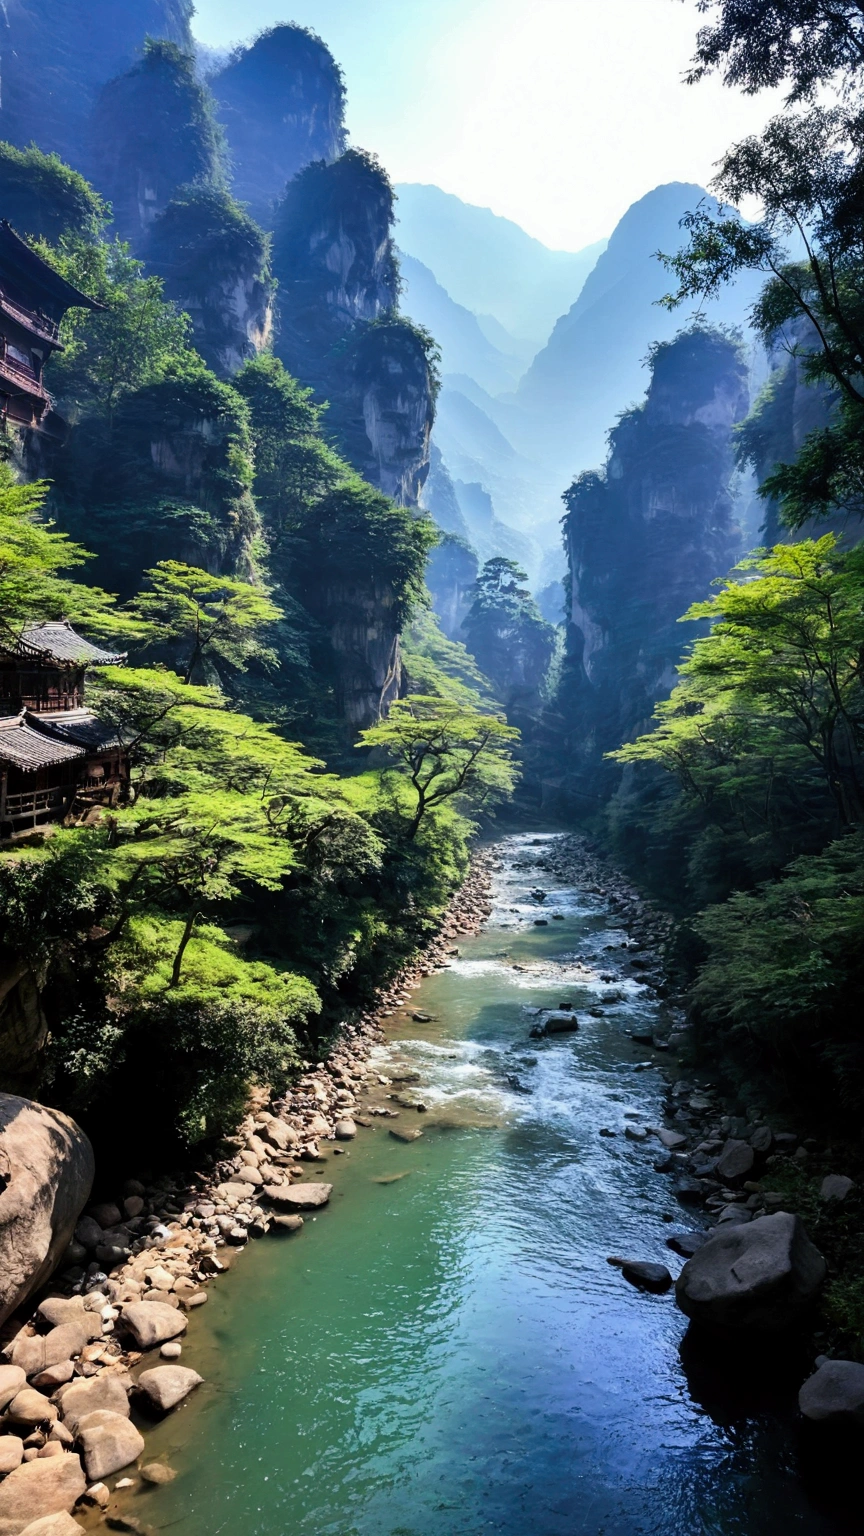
445 1350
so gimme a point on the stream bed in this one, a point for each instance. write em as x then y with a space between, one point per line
445 1350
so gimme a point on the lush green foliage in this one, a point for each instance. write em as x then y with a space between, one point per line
513 645
43 199
763 43
207 619
446 750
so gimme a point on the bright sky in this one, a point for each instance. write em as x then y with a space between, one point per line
556 113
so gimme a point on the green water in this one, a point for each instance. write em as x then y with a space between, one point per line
448 1353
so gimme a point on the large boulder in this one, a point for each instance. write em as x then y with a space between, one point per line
12 1379
153 1322
735 1161
46 1174
835 1394
166 1385
759 1277
49 1485
83 1397
34 1353
109 1442
54 1525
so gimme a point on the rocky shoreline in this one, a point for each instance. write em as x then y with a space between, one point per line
108 1338
107 1335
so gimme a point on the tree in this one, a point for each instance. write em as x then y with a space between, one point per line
445 750
512 644
135 341
33 562
209 619
774 694
759 44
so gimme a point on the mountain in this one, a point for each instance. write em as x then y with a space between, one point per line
490 265
592 367
464 346
55 54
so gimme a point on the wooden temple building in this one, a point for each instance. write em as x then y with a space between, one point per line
56 757
33 300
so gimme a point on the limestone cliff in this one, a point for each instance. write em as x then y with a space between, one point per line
56 54
282 104
646 536
339 328
214 261
153 130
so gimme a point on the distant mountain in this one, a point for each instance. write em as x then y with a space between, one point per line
490 265
592 367
464 346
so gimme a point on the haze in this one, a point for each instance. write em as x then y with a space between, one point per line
555 113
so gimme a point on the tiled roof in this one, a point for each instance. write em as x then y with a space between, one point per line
59 642
30 750
79 726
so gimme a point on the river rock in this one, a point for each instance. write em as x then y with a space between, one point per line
760 1277
279 1135
404 1135
12 1379
286 1224
672 1140
157 1473
166 1385
39 1488
82 1398
835 1393
762 1139
11 1453
29 1408
107 1215
345 1130
304 1197
109 1441
89 1233
55 1376
64 1343
153 1322
51 1173
735 1161
560 1023
647 1277
53 1525
835 1187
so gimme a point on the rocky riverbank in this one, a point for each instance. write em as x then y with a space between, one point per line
109 1333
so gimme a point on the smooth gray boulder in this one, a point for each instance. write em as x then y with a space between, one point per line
302 1197
109 1442
54 1525
84 1397
835 1393
735 1161
760 1277
835 1186
153 1322
50 1164
12 1379
166 1385
48 1486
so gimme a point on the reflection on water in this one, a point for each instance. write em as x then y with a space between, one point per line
445 1351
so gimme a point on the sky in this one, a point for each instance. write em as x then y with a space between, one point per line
555 113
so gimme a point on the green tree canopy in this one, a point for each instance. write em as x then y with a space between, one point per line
759 44
504 630
773 696
444 749
206 619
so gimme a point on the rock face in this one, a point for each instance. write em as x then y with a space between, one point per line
760 1277
152 132
47 1486
50 1167
73 47
646 537
282 103
835 1394
340 331
213 260
450 576
23 1027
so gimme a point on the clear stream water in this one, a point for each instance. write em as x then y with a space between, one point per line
445 1350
